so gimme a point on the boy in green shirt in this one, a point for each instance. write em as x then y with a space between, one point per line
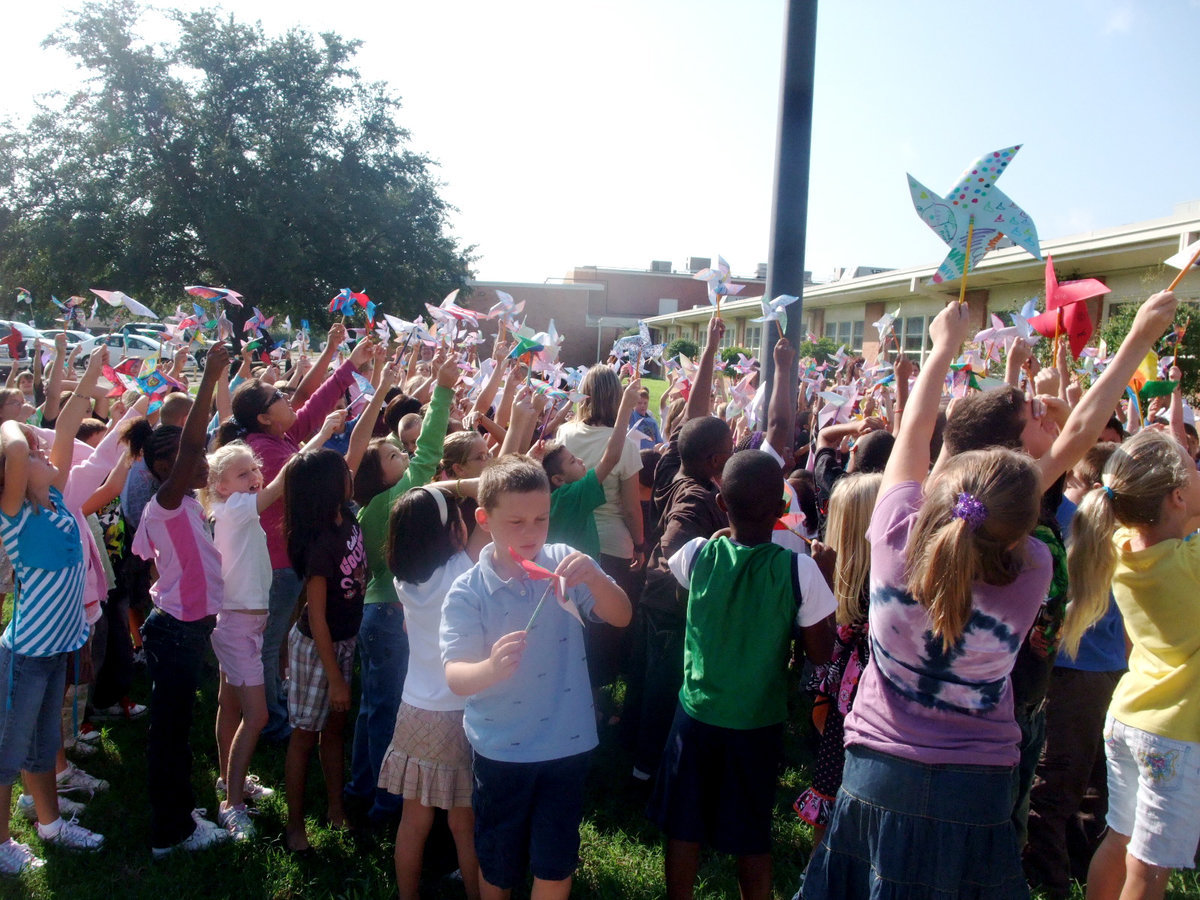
577 491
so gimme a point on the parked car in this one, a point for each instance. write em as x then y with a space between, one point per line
135 346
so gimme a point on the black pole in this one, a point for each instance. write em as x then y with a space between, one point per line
789 209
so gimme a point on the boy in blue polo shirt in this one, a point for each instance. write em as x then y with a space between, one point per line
529 715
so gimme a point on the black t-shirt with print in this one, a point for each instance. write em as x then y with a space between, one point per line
339 555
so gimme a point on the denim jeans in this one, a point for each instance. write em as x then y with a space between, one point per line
285 591
29 712
903 828
1032 722
113 653
175 653
383 661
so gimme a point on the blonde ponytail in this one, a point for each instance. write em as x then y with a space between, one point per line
1137 479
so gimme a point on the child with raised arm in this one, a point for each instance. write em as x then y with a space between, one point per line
187 597
43 540
576 491
1149 495
747 598
529 712
931 742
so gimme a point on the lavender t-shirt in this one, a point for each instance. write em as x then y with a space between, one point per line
923 703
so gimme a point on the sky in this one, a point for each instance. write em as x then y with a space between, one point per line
616 133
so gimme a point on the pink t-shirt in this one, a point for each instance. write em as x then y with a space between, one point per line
918 701
189 585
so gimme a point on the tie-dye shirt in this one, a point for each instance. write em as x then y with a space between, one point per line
917 700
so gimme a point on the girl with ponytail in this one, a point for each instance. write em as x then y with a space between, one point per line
955 583
1149 494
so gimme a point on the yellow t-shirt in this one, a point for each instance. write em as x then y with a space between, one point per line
1158 592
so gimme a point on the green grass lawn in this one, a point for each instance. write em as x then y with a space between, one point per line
621 850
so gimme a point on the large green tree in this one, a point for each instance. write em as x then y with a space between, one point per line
227 156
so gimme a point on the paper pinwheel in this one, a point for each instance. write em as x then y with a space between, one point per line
526 346
719 284
1066 314
118 298
1021 319
506 307
772 308
974 216
214 293
1184 260
538 573
14 342
886 325
449 311
23 296
346 302
257 321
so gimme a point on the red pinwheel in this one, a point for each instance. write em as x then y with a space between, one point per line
539 573
1066 314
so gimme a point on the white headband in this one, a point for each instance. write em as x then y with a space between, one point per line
440 498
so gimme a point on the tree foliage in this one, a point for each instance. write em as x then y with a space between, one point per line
229 157
687 347
1120 320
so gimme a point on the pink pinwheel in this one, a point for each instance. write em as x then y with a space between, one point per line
257 321
448 310
538 573
214 293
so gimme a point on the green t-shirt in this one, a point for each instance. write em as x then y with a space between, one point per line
741 608
572 514
373 518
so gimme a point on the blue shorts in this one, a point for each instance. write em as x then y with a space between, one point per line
528 811
30 710
716 786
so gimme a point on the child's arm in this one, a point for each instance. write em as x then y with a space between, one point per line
360 437
1088 418
466 678
191 441
332 423
611 604
1175 415
909 460
315 375
54 389
69 418
484 401
700 399
111 489
316 594
224 398
620 432
522 421
16 467
781 414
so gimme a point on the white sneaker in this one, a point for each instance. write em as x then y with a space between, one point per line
253 789
123 709
72 835
16 857
80 749
73 778
236 820
66 807
207 834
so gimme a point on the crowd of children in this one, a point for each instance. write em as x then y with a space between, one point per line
952 581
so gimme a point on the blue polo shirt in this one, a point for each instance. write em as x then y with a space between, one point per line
544 711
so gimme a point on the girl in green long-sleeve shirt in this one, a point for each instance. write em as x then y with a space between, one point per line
385 474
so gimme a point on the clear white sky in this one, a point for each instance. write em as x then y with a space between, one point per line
578 133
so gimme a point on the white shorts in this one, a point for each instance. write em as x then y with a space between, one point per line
1153 794
238 641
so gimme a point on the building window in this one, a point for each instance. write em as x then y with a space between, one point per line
914 340
848 333
753 338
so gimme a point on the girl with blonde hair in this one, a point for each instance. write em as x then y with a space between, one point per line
1150 496
836 683
931 744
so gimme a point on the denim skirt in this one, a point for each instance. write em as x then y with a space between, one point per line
902 829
